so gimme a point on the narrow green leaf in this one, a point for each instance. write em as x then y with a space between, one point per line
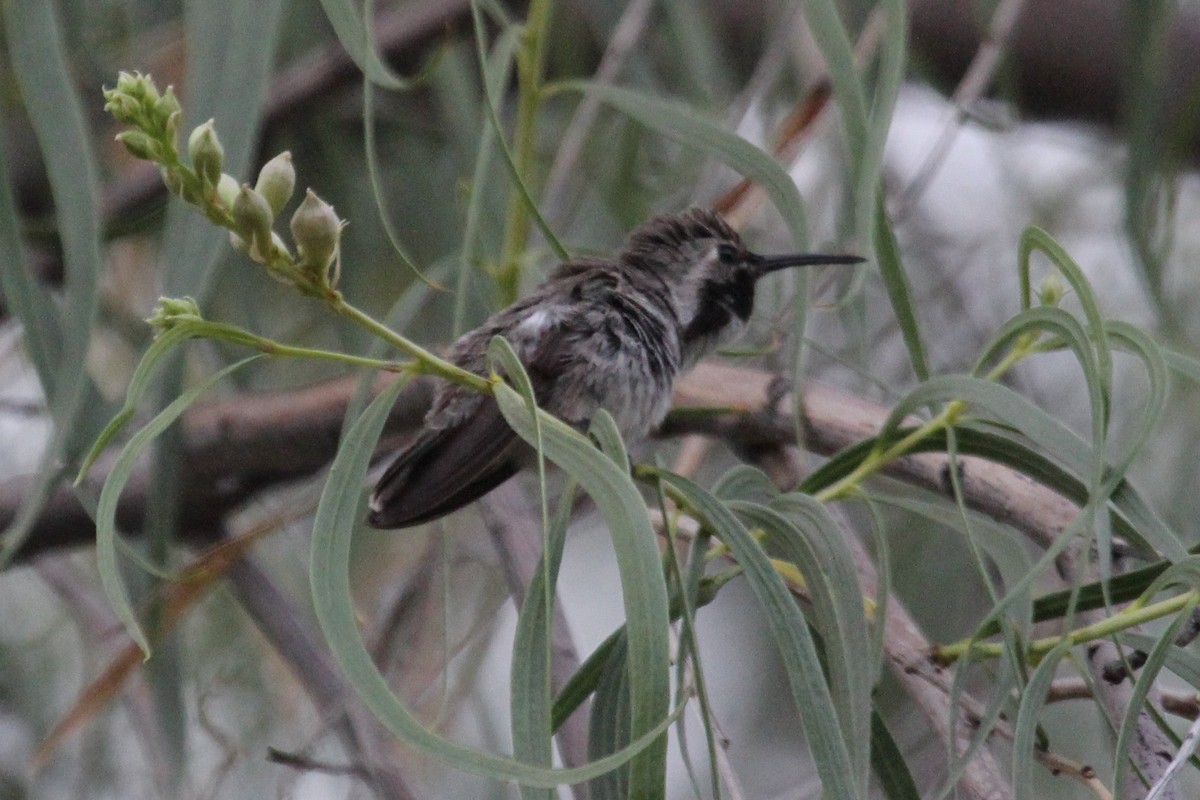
532 696
42 71
830 35
40 320
744 482
337 515
139 385
604 430
688 593
110 495
609 727
586 678
60 341
1066 446
1035 238
895 283
1184 574
1060 323
883 585
1149 673
531 703
352 32
494 117
1133 340
496 72
1006 552
1135 521
643 586
790 634
804 533
1028 713
888 764
1031 323
370 147
1184 365
889 76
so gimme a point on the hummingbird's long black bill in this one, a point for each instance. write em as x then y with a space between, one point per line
764 264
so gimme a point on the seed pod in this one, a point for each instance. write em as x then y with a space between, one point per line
139 144
167 104
316 230
252 216
207 154
167 114
277 181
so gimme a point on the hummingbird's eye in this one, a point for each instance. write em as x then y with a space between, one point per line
727 253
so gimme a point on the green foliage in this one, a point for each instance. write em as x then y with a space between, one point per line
803 569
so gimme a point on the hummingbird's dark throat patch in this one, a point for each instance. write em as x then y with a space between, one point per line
719 302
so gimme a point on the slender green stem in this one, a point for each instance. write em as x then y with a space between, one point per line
1122 620
875 461
946 419
225 332
426 362
530 60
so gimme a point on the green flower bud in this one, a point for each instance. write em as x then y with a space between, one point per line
252 216
316 230
227 190
171 311
1052 290
138 86
169 115
139 144
123 107
208 157
125 82
277 181
133 100
167 105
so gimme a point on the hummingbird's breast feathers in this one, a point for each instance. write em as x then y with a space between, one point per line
593 335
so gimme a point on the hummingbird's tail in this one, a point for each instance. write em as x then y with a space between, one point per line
445 469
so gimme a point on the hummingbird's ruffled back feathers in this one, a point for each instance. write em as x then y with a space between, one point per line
586 342
599 333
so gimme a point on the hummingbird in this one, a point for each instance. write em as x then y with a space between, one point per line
611 333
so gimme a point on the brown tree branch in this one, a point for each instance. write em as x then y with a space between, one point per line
238 447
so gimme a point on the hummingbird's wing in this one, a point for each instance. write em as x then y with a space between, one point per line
446 468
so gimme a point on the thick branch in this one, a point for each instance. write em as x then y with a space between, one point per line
237 447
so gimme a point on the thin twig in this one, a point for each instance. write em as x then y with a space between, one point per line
1186 748
284 626
974 83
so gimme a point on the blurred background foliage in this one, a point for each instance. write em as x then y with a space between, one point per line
1085 125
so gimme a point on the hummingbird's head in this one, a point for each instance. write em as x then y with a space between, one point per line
709 273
